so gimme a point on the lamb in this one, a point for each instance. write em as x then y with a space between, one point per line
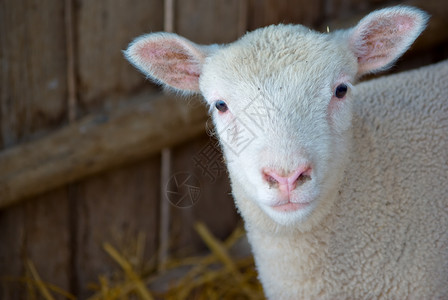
343 188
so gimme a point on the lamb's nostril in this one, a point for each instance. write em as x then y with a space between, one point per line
302 179
270 180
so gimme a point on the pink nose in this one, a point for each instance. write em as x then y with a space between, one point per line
287 183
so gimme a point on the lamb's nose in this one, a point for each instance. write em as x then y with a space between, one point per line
289 182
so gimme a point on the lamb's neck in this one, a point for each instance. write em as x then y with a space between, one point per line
276 248
307 252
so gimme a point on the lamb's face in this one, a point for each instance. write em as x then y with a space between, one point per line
280 100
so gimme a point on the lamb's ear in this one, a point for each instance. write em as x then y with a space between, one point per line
384 35
169 59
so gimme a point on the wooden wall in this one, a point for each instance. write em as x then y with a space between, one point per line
61 61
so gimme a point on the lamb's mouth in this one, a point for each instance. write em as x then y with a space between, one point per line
290 206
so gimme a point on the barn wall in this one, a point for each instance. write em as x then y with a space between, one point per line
62 231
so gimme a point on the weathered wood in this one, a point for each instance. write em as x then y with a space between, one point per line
33 69
165 168
12 234
72 101
47 244
212 203
116 207
207 22
38 231
104 29
266 12
97 143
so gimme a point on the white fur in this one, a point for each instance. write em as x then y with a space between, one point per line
279 85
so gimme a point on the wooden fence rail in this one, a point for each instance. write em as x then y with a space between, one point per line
98 142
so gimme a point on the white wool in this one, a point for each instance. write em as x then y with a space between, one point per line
366 214
386 236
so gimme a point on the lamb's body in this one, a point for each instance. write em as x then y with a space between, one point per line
327 220
387 237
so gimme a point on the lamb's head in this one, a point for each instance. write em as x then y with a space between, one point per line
280 98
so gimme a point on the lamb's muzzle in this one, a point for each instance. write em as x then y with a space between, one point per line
286 184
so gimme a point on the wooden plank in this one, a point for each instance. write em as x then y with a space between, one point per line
97 143
212 203
48 237
115 207
12 239
208 22
39 231
33 69
104 29
343 9
265 12
204 22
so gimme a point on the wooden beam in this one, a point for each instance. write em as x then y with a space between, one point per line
97 143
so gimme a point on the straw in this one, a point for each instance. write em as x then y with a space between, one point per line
127 268
217 275
41 286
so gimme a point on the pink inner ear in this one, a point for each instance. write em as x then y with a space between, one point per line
382 41
172 63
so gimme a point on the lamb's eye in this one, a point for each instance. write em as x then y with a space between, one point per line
341 91
221 106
